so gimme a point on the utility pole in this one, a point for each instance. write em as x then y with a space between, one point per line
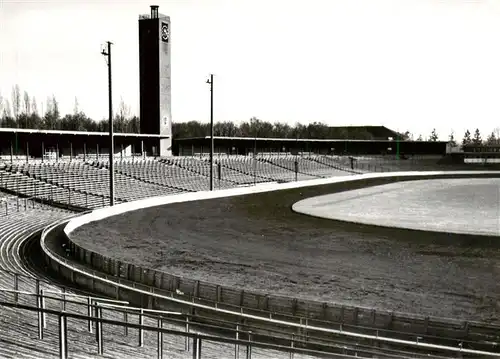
211 82
107 53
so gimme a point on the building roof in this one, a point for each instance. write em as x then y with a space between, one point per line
376 131
286 139
77 133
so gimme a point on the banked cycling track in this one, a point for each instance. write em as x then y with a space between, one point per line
249 239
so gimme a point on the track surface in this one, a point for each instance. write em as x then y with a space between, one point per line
441 205
256 242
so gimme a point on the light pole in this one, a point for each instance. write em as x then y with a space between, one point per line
107 53
211 82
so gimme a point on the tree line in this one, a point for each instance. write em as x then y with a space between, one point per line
22 112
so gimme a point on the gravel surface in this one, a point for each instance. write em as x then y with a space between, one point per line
257 243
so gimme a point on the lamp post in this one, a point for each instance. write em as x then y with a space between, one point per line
107 53
211 82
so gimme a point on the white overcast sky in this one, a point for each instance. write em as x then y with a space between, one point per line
405 64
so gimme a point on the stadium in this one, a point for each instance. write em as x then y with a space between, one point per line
134 245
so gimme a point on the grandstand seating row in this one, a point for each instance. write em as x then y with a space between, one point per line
85 184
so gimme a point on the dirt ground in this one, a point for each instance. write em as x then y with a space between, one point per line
255 242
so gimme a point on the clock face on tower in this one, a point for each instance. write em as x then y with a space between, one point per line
165 33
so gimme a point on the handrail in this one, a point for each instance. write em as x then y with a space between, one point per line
210 338
282 335
258 318
23 292
145 310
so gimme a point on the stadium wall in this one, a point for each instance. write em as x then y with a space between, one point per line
166 283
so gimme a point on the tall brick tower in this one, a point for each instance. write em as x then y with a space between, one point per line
154 71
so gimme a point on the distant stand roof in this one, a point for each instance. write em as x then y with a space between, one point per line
78 133
288 139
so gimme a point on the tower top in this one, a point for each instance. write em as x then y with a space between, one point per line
153 15
154 11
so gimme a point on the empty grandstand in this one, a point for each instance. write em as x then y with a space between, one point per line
36 193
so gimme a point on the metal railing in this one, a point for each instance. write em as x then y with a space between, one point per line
186 320
192 340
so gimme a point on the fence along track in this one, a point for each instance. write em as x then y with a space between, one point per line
242 338
74 272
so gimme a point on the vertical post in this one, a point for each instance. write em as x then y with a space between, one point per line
142 149
27 152
57 152
70 151
94 310
42 306
85 152
89 313
97 152
296 170
237 346
211 82
40 315
141 331
11 153
125 320
160 339
100 344
186 343
111 139
249 346
63 340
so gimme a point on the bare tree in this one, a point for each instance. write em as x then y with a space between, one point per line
123 110
76 108
16 101
55 107
34 108
122 116
27 104
496 131
6 109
